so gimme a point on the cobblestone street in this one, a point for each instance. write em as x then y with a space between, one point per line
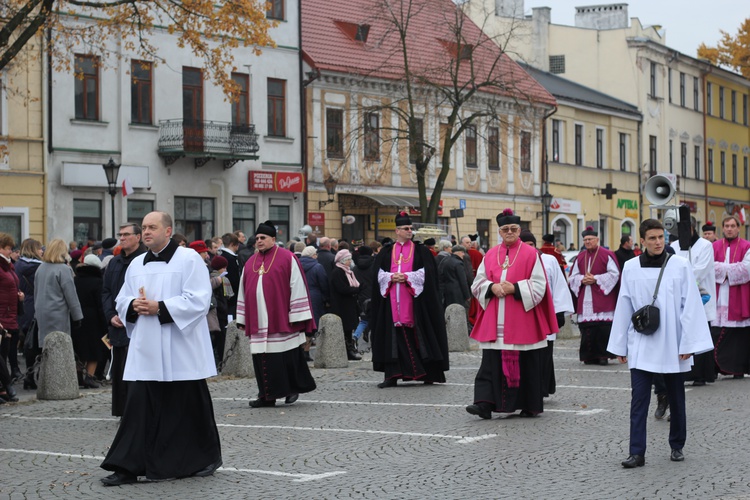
349 439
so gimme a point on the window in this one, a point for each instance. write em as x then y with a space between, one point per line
275 11
683 159
696 94
138 209
734 170
744 109
87 87
682 89
243 217
671 167
87 220
652 154
652 80
721 102
415 147
669 83
194 217
556 140
12 222
140 92
280 216
557 64
372 137
579 145
493 148
276 107
241 108
525 151
709 103
723 167
192 108
335 132
623 152
734 105
710 165
599 148
697 161
746 172
471 146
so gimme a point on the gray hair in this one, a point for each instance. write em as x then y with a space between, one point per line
444 245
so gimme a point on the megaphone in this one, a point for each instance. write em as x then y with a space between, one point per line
659 189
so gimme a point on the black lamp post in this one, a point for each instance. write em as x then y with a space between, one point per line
111 170
729 207
546 202
330 185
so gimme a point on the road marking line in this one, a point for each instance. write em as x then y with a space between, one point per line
472 385
299 478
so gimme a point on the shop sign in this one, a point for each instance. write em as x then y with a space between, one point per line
693 205
384 223
633 214
283 182
317 221
627 204
562 205
417 211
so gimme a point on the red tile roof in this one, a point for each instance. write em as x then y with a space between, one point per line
327 44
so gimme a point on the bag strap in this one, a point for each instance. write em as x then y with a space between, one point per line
661 273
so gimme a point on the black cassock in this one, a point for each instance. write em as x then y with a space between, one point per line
418 353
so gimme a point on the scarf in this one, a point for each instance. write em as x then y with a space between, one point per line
349 274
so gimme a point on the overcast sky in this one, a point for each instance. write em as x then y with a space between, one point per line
687 22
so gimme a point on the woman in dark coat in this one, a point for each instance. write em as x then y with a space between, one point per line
344 291
9 299
26 266
87 342
317 285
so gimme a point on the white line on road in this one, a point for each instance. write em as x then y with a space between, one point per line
472 385
299 478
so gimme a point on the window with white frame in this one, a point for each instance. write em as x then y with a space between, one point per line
15 222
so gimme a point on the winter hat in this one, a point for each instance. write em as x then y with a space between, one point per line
527 236
219 262
199 246
342 255
309 251
93 261
507 217
549 238
108 243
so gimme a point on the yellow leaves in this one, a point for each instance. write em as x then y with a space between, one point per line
732 50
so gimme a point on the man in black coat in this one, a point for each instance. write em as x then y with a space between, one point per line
229 248
452 278
625 252
114 277
365 274
325 256
409 341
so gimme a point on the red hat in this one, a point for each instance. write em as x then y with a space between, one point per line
219 262
199 246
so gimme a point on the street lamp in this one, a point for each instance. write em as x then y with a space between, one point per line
546 202
729 207
330 185
111 170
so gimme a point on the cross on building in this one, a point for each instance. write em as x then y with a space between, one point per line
608 191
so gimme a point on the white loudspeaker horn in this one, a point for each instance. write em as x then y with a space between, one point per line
659 189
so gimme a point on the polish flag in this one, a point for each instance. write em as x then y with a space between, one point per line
127 188
741 214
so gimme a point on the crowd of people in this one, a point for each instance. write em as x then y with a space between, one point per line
111 295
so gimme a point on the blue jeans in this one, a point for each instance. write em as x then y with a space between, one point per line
360 329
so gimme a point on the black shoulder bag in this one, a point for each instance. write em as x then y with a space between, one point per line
646 319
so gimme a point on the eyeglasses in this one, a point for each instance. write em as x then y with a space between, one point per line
509 229
405 228
124 235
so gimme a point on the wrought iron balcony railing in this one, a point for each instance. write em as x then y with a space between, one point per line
207 140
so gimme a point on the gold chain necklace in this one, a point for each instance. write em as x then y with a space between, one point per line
506 264
262 270
401 259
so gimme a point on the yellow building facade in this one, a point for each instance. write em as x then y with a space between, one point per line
22 170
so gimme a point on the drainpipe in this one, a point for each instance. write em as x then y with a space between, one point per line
640 172
545 171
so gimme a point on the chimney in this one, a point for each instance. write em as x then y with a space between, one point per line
602 17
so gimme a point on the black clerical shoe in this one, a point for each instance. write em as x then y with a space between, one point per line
291 399
662 403
634 461
262 403
480 410
698 383
603 362
118 479
391 382
527 414
677 456
209 470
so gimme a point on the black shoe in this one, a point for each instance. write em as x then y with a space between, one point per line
16 376
662 403
391 382
89 382
603 362
677 456
480 410
527 414
118 479
291 399
209 470
29 384
698 383
262 403
308 358
634 461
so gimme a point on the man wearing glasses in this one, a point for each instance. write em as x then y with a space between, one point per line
114 277
516 313
593 279
409 341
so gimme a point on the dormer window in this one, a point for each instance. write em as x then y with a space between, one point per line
461 52
356 32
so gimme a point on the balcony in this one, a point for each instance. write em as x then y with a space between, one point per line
207 140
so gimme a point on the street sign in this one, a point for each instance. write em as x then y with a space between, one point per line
457 212
461 205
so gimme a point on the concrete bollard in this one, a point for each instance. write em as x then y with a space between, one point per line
57 374
331 346
238 360
568 330
456 327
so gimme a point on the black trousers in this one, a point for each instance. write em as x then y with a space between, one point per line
282 374
640 381
491 386
594 340
119 386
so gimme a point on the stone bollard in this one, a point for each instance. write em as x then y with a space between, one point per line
57 374
568 330
238 360
331 346
456 327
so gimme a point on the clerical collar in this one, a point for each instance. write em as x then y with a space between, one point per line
648 260
593 249
163 255
730 240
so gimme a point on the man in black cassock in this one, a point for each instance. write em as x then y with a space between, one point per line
409 341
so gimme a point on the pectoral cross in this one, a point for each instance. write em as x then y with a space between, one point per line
262 270
506 264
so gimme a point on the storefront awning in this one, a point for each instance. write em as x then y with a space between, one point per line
374 200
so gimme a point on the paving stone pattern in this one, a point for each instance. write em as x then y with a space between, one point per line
349 439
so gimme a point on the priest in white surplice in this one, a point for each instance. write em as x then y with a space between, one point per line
168 428
683 331
274 309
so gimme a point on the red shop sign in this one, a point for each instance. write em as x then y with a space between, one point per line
284 182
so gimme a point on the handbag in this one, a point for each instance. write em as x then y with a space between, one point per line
646 319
